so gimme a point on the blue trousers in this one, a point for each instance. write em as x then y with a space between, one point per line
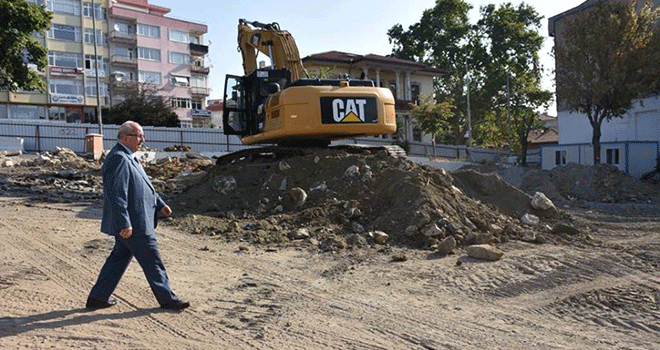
145 249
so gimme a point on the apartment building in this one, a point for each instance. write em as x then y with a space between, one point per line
408 80
124 42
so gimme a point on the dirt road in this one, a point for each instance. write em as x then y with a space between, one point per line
599 295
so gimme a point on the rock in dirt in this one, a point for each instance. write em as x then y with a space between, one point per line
447 245
484 252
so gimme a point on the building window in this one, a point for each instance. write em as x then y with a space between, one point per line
64 59
176 80
194 39
414 92
100 12
101 38
64 32
179 36
417 134
612 156
560 157
146 53
180 102
179 58
90 88
196 104
123 28
24 112
198 81
65 86
90 62
393 89
37 2
149 77
67 7
148 30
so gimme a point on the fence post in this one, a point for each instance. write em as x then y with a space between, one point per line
37 139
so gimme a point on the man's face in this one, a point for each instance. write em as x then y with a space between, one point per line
134 140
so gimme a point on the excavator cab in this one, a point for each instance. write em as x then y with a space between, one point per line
244 111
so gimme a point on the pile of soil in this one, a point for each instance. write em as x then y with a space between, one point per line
601 183
339 197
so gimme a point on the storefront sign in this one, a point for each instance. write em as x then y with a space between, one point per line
67 99
201 112
65 71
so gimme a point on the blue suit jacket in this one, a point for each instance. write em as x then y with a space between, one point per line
130 199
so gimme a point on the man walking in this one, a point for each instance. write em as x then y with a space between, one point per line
130 214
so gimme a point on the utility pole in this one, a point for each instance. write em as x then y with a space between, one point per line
508 113
469 117
96 70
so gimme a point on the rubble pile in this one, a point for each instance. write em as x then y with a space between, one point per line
336 199
601 183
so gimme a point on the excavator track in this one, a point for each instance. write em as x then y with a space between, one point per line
280 152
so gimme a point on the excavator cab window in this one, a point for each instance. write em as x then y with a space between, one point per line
234 112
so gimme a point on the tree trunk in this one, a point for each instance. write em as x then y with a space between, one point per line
595 143
523 151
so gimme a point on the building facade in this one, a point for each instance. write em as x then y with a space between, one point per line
115 43
408 81
641 124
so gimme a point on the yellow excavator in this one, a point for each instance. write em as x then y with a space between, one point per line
279 104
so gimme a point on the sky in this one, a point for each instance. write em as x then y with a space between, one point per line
353 26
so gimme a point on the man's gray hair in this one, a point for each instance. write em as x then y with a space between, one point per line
127 128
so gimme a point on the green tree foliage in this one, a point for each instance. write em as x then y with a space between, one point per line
142 104
433 118
441 39
512 85
20 19
608 58
503 45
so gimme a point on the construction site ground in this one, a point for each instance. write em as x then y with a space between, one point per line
289 253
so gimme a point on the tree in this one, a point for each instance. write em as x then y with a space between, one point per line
513 76
20 19
503 45
142 104
441 39
607 59
433 118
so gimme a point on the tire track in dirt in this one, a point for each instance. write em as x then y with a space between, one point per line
58 262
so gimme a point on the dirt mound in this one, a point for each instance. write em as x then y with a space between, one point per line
601 183
338 197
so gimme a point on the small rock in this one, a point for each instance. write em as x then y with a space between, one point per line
379 237
541 202
300 233
484 252
283 166
356 227
411 230
447 245
299 196
432 230
529 219
352 170
562 227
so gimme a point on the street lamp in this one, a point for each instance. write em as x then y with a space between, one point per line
96 72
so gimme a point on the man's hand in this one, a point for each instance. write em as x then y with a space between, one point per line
167 211
125 233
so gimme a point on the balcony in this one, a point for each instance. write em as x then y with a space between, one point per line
123 86
122 60
198 50
199 91
200 69
122 38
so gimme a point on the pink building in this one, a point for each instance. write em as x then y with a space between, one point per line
145 46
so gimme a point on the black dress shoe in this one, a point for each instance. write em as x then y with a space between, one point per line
99 304
177 305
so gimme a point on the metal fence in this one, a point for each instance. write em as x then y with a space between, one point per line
42 135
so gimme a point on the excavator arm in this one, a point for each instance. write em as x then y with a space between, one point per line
269 39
